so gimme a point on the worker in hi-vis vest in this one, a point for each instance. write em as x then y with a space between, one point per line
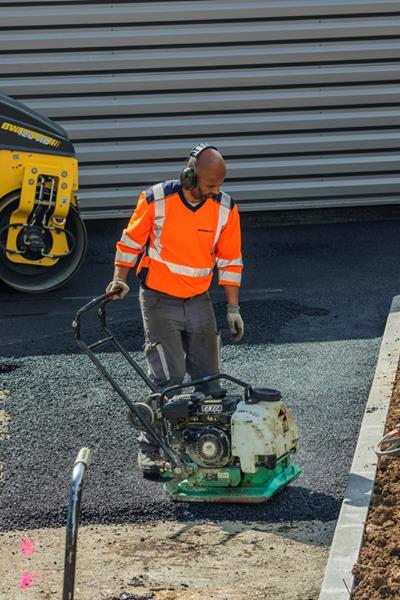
182 228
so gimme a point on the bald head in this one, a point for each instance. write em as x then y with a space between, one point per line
210 158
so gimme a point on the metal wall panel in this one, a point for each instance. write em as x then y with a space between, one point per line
20 14
187 58
302 98
208 33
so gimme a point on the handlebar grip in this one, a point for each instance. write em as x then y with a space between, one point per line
103 298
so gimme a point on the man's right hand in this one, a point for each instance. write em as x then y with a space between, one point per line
120 285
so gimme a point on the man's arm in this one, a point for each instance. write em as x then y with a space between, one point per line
118 282
130 246
121 272
229 262
232 294
228 253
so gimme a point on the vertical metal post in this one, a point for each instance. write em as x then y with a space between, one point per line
80 467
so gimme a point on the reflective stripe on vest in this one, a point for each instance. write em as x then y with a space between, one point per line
235 262
223 215
229 276
129 243
179 269
127 257
159 214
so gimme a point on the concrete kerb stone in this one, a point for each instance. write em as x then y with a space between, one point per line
338 580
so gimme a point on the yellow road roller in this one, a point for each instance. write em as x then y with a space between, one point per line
42 236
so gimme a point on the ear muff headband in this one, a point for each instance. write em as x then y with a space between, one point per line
188 177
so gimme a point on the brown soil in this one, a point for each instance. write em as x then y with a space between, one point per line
377 571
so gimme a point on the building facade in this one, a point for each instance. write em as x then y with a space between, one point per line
302 98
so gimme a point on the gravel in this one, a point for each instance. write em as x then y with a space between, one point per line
315 300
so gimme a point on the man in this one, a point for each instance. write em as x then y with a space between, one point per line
182 229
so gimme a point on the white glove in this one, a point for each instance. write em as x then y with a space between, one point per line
118 284
235 321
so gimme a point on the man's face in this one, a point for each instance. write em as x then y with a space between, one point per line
209 181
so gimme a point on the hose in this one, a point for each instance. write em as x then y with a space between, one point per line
390 443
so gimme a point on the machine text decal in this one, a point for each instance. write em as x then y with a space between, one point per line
29 134
211 408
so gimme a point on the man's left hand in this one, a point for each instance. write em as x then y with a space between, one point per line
235 322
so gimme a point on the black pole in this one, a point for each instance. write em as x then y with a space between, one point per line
80 467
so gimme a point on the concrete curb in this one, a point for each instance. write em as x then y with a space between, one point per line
338 579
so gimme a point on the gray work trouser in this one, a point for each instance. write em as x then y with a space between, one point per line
180 337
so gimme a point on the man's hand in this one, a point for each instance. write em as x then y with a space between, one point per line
118 284
235 321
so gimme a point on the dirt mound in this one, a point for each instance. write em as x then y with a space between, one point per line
377 571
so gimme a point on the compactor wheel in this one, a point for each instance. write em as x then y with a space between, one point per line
36 279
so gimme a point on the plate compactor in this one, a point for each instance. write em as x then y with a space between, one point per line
228 447
42 237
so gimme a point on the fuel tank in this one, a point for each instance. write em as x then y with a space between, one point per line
262 431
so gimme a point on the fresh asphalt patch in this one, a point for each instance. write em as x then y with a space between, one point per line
314 302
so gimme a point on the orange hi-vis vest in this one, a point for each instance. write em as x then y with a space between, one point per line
182 243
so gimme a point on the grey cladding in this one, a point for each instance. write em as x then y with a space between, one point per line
302 98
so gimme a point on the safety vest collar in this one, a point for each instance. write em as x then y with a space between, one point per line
187 204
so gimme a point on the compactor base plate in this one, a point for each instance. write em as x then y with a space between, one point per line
252 488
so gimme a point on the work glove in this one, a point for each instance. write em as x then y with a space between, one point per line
118 284
235 322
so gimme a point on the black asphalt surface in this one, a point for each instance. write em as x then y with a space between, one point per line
315 301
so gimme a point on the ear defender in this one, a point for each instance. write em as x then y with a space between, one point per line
188 177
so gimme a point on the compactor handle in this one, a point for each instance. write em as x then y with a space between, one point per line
110 337
104 299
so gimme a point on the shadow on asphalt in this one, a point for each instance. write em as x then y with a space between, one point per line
305 283
293 504
271 321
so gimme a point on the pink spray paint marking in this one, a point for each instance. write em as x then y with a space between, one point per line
26 580
27 547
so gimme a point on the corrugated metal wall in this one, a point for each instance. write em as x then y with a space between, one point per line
302 97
